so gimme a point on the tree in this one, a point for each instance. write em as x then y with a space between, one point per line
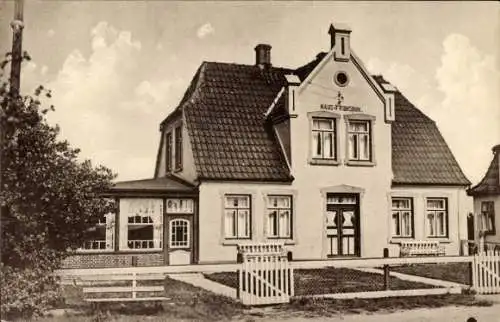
50 198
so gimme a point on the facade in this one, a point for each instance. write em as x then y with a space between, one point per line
486 196
326 158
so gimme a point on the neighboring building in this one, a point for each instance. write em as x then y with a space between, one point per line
487 202
326 158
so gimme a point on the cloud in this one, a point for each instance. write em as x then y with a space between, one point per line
470 110
461 96
205 30
107 105
51 33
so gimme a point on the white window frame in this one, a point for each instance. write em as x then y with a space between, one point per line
109 239
321 134
185 242
273 208
432 226
236 212
141 207
399 213
356 135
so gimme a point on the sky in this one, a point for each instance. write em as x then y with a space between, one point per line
117 69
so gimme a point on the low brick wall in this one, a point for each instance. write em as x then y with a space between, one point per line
112 260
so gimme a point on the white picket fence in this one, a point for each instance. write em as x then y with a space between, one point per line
265 276
486 272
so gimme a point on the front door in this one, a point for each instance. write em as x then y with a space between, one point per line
180 231
342 225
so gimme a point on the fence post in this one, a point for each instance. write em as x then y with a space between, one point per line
386 271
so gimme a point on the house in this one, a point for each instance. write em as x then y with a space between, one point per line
325 158
486 196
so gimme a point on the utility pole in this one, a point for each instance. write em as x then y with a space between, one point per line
17 25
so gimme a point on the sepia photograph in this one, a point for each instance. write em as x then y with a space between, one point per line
249 161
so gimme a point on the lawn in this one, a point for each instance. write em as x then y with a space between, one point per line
452 272
330 280
189 303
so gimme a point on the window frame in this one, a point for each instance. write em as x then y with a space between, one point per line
109 228
322 133
277 210
490 212
435 212
357 135
235 225
178 148
329 115
400 212
127 208
370 120
168 151
172 233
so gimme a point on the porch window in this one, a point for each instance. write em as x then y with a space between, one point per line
359 140
180 206
168 152
279 216
324 138
179 233
488 217
402 217
237 216
101 236
437 217
178 148
141 224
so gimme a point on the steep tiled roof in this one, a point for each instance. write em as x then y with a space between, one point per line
490 185
225 109
226 124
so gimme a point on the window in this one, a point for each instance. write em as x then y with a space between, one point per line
437 217
279 216
180 206
402 217
179 233
141 223
488 217
359 140
168 153
178 148
101 236
237 216
324 139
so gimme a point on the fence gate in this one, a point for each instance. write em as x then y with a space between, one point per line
486 272
265 276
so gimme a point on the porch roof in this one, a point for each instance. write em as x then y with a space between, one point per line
165 184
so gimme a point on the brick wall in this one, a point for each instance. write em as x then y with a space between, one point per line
112 260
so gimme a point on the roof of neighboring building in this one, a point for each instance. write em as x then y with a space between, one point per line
161 184
490 184
224 108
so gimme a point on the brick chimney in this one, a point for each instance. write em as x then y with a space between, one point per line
263 55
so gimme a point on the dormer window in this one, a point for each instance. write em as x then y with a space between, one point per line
168 152
178 148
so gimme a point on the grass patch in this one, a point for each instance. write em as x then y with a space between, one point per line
330 280
452 272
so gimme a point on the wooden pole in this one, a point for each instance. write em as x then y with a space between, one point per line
17 25
386 271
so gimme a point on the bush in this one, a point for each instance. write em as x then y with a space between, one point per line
27 292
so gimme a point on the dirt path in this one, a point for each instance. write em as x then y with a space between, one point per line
444 314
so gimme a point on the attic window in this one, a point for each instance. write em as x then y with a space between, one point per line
341 79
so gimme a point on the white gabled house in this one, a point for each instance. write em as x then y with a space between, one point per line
326 158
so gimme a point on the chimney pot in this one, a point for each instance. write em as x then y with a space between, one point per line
263 55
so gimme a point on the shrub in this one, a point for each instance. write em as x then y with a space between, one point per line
27 292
